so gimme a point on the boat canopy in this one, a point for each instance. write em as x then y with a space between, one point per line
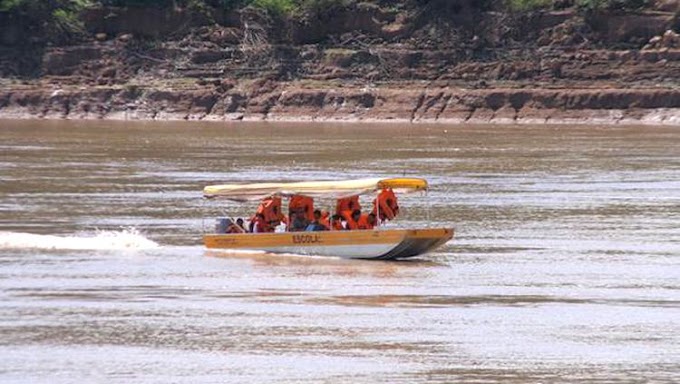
315 189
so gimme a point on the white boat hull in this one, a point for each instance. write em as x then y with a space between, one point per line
370 244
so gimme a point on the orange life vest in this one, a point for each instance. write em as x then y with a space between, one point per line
260 226
302 204
337 225
351 224
325 220
270 207
347 204
387 211
394 202
363 222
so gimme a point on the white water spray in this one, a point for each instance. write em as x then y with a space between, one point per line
127 239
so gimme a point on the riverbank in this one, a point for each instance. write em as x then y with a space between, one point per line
360 62
292 102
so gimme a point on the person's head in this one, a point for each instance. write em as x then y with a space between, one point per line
371 218
356 214
336 217
239 222
317 214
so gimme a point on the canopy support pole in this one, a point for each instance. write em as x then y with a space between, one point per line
377 210
427 199
203 210
330 217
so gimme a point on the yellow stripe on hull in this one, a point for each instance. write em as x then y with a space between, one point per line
370 244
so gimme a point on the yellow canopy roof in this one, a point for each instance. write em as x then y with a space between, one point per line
314 189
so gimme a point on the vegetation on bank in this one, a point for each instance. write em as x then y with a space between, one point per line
283 7
290 7
61 21
585 5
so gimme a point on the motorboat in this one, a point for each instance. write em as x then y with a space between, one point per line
380 243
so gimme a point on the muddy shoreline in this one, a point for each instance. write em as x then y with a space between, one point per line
444 105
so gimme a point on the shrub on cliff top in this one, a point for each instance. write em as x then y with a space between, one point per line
528 5
222 4
595 5
42 6
57 21
276 7
138 3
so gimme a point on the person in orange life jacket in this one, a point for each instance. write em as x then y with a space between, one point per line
366 221
347 204
259 225
336 223
270 207
277 217
264 209
391 200
352 219
316 224
302 204
298 222
386 205
325 220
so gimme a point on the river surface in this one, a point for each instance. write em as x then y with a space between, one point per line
565 266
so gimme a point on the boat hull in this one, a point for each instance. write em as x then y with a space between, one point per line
368 244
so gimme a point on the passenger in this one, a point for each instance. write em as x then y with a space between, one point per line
241 224
316 224
372 220
345 216
380 206
336 223
386 205
277 217
325 220
270 207
347 204
259 225
234 227
352 220
392 201
302 204
298 222
366 221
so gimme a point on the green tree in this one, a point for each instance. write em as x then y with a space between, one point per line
56 20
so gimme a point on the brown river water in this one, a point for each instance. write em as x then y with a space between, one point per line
565 267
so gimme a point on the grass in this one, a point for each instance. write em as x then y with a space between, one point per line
592 5
528 5
275 7
583 5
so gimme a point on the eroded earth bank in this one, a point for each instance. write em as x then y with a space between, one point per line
448 61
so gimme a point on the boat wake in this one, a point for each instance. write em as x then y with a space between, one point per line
127 239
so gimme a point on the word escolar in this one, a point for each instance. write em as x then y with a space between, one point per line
306 239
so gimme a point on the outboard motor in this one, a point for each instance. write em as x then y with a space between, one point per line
221 224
